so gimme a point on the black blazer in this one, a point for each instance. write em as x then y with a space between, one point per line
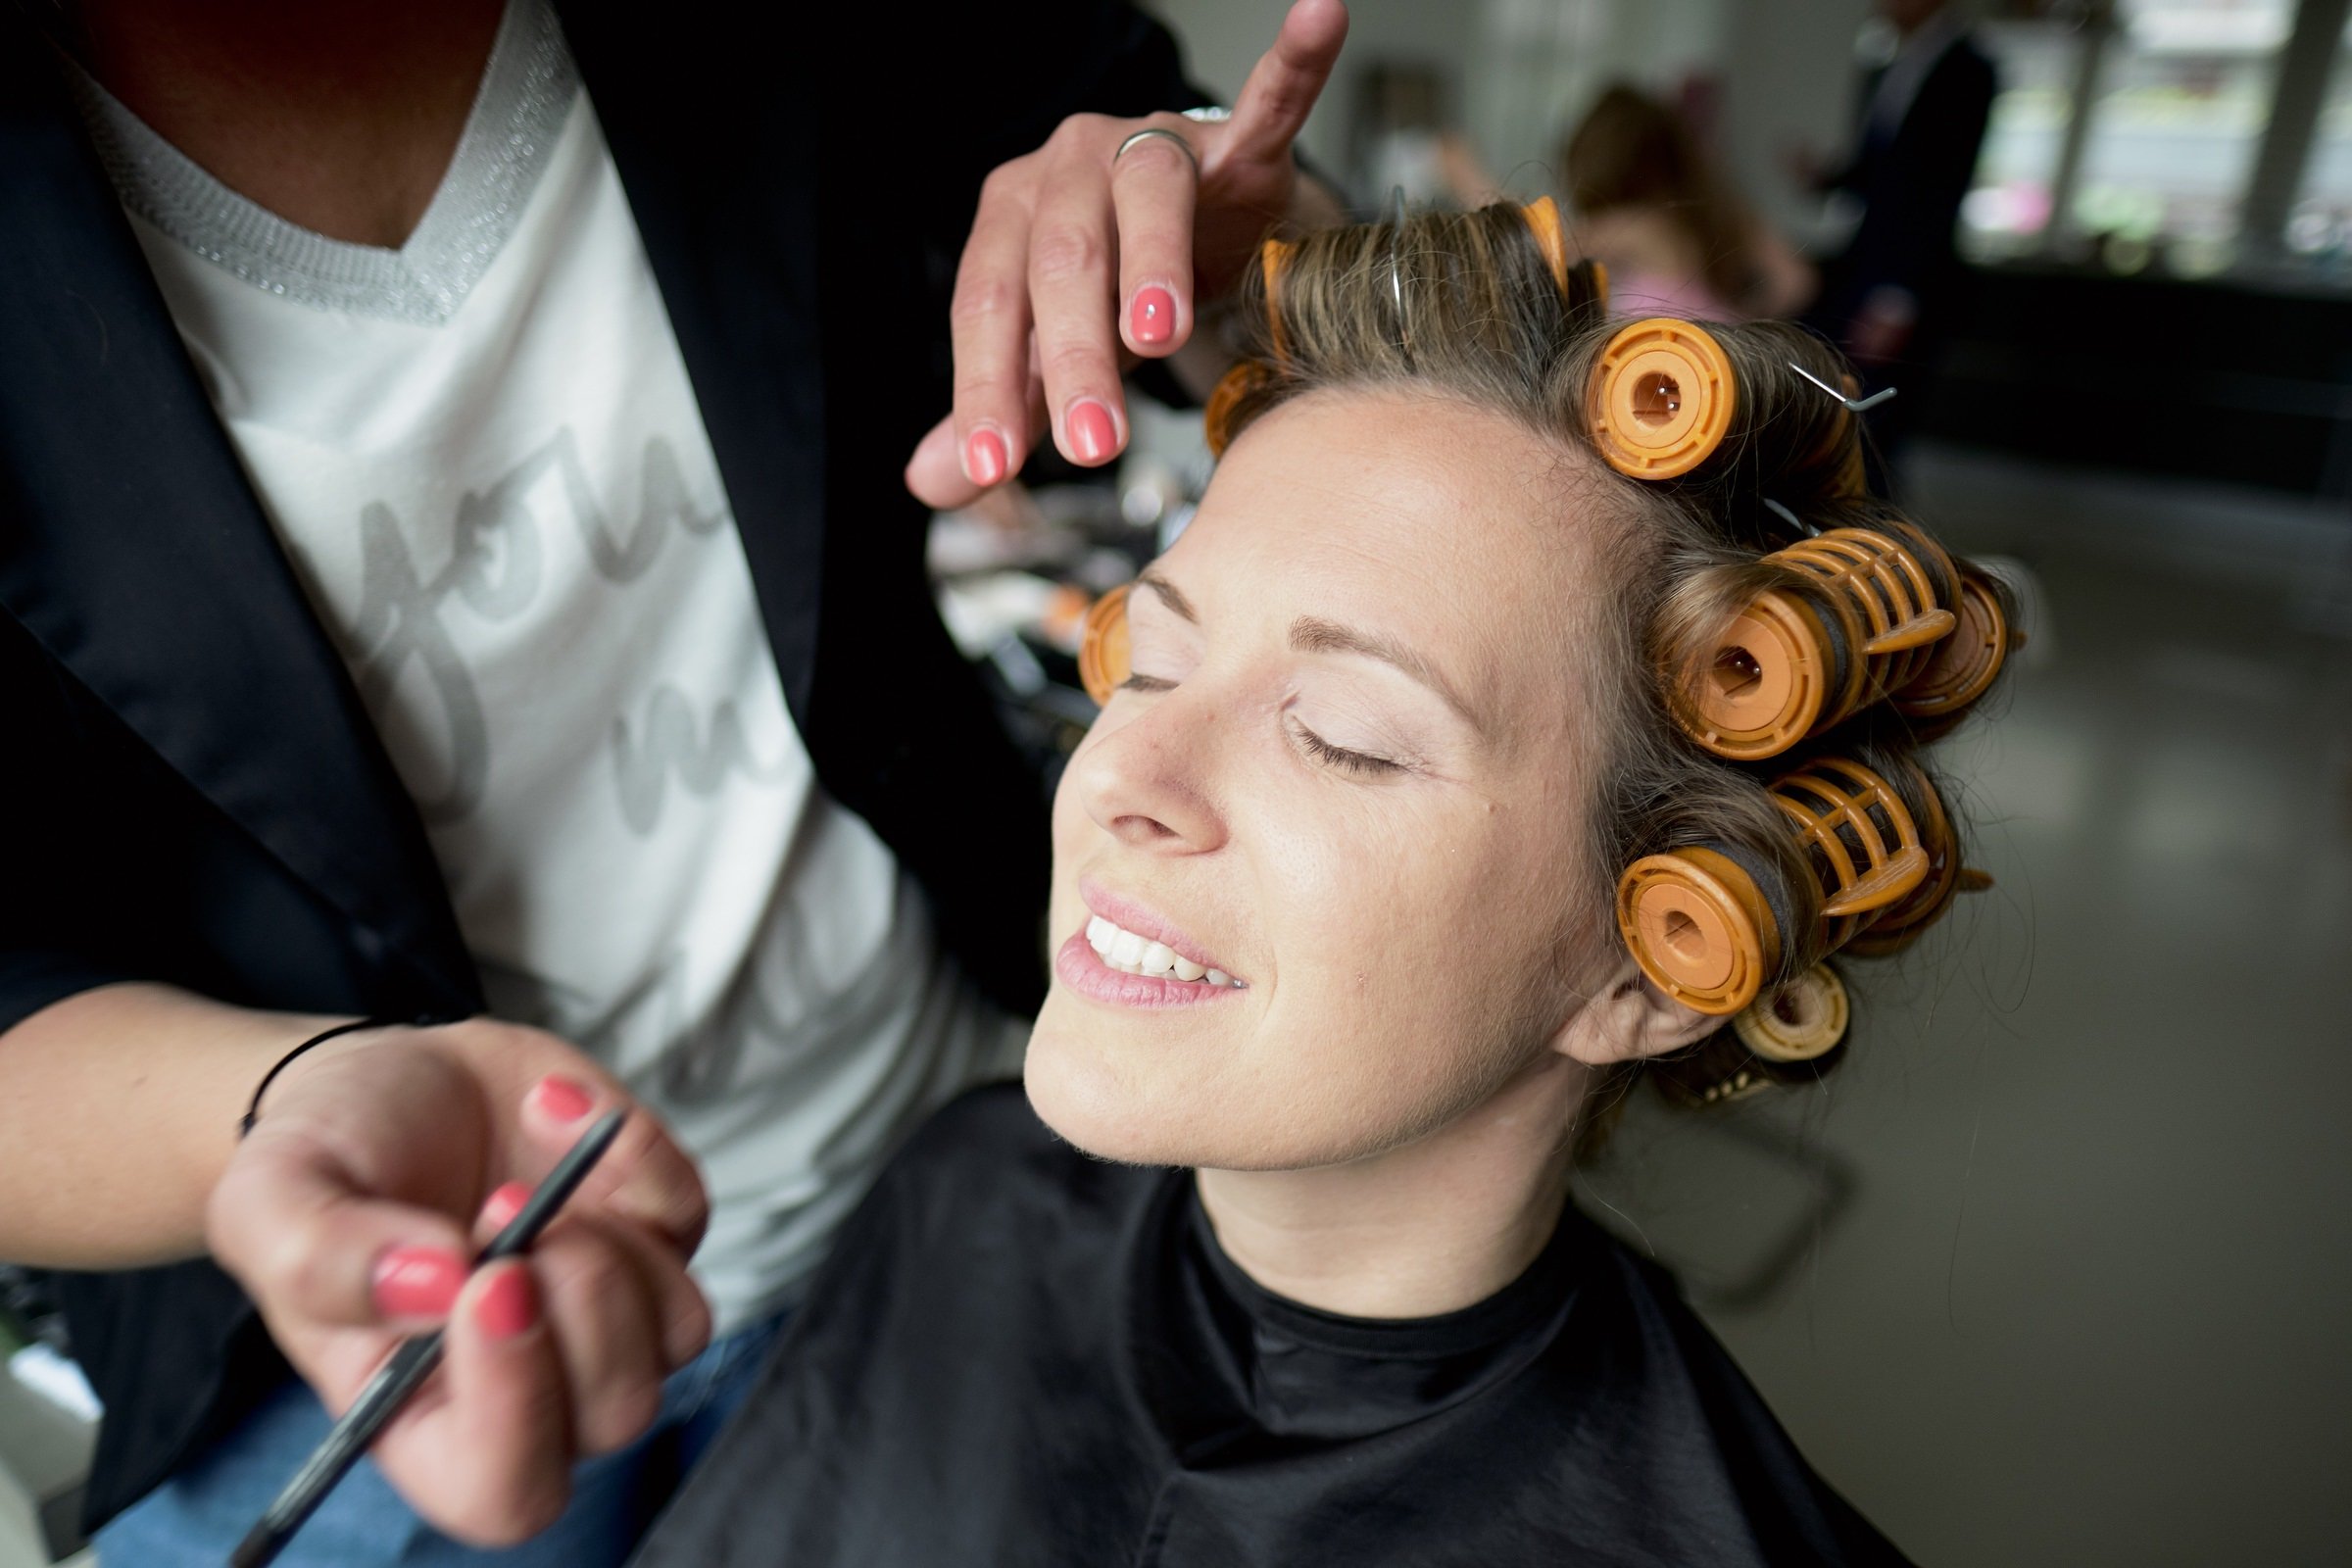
1911 184
191 789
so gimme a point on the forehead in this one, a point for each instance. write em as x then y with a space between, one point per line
1417 516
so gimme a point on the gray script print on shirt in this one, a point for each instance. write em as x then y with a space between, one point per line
773 1013
669 741
495 567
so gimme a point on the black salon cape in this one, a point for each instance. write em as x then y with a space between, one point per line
1019 1355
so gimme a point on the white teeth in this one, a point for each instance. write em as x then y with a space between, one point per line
1124 950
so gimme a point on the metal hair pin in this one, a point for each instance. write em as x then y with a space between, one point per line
1404 338
1792 518
1857 405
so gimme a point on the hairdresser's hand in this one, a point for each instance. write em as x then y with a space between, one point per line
381 1161
1073 254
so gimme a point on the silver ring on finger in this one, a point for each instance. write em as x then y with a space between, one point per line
1163 132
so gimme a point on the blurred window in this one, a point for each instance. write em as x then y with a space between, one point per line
2320 226
2182 98
2038 61
2130 131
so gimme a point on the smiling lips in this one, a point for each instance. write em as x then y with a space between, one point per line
1122 950
1129 956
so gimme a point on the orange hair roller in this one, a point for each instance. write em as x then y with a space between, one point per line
1272 256
1789 665
1902 922
1544 221
1237 383
1803 1020
1661 399
1698 926
1701 926
1962 665
1103 657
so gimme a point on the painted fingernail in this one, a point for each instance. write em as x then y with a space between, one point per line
1092 433
1151 319
417 1282
562 1098
501 1207
509 1304
983 458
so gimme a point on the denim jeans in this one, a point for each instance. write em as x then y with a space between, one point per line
195 1519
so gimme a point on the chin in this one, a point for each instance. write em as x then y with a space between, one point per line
1165 1110
1090 1104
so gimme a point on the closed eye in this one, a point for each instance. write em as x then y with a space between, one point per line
1338 756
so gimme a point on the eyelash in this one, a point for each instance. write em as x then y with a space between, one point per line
1338 756
1321 749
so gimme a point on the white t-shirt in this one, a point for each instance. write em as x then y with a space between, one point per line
483 456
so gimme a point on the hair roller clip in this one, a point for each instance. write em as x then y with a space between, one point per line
1963 665
1789 665
1600 282
1543 216
1102 659
1661 399
1802 1021
1859 839
1901 923
1244 377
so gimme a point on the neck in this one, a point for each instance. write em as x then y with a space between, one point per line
1428 1227
341 119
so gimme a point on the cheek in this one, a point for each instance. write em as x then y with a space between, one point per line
1418 948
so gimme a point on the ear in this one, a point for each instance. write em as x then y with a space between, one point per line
1631 1018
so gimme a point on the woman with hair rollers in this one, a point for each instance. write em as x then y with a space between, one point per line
1407 839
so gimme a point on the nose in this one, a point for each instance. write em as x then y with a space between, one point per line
1146 781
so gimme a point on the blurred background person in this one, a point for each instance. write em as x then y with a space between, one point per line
1676 237
1403 140
1892 296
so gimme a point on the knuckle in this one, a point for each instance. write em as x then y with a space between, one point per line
1075 364
1154 157
620 1416
1081 128
592 1275
1066 253
983 298
687 1333
496 1521
983 392
1005 181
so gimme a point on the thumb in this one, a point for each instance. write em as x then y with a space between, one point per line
1283 87
645 1176
934 476
311 1246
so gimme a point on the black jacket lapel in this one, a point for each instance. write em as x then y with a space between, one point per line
134 549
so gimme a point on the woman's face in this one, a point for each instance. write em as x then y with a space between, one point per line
1350 772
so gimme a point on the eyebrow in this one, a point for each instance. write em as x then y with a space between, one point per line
1169 595
1311 634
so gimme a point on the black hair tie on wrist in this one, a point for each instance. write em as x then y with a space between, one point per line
252 1112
